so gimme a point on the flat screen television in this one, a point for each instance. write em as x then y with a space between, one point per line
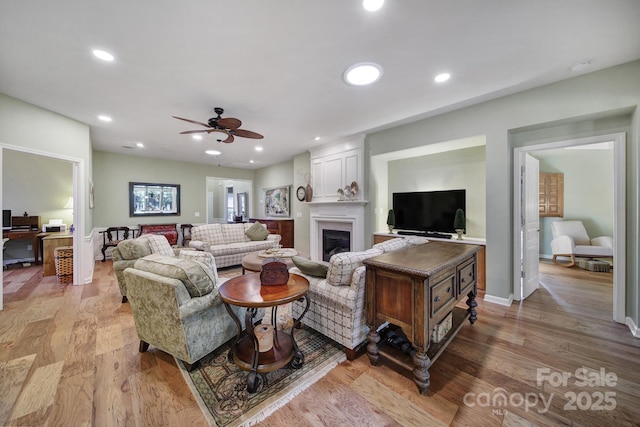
6 218
428 211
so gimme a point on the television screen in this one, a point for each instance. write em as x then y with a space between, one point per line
428 211
6 218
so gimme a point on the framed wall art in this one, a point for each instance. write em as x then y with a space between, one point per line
277 201
146 199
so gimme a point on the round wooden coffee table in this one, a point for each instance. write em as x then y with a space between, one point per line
247 291
253 261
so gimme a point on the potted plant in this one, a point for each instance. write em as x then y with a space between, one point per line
459 223
391 220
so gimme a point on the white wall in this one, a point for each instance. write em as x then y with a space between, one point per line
577 107
451 170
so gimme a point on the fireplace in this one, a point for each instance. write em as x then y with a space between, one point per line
344 218
334 242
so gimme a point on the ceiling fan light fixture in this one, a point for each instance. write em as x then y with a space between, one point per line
197 137
363 73
219 135
213 152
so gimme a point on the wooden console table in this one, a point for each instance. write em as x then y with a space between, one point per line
416 288
480 256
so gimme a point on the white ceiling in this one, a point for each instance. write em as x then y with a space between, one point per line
277 65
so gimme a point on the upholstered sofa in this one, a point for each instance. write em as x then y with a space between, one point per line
337 308
127 252
229 243
176 307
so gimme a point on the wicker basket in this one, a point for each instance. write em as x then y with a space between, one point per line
64 263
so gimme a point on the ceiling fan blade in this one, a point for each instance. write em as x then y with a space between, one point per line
246 134
229 123
229 140
191 121
186 132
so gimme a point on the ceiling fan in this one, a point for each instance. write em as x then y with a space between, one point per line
224 129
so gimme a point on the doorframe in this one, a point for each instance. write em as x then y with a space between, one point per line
78 168
619 212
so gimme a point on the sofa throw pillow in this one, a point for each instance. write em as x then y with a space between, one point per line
205 258
159 244
311 268
257 232
342 265
197 279
134 248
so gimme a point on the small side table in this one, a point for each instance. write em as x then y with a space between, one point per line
246 291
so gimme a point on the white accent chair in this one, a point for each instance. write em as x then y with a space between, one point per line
570 239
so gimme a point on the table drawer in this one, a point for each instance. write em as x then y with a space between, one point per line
442 293
466 276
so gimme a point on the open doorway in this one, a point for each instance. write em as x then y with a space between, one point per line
228 199
618 215
82 272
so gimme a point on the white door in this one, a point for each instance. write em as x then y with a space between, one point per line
530 225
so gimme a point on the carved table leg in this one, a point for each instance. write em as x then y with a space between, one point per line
421 374
373 338
238 326
298 357
253 379
472 304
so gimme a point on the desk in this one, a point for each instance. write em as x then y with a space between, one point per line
247 291
415 289
49 244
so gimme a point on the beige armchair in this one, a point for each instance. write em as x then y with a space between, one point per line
570 239
176 307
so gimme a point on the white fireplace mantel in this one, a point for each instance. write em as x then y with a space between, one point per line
348 214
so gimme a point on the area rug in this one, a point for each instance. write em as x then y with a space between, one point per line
221 388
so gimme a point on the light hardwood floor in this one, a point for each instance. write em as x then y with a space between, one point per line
69 357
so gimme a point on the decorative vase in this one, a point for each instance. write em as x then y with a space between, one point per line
308 193
459 231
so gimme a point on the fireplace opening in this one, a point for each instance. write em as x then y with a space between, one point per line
334 242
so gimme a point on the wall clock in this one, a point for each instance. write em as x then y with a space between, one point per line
300 193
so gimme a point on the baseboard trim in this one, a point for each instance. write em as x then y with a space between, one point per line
499 300
632 327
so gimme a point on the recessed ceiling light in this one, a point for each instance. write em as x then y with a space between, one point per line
258 148
101 54
372 5
250 161
363 73
105 118
317 138
139 145
443 77
213 152
197 137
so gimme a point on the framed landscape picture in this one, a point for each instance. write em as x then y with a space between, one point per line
277 201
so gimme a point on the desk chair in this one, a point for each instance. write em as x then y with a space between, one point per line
4 240
112 236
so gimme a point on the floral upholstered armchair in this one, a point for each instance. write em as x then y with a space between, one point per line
176 307
129 251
